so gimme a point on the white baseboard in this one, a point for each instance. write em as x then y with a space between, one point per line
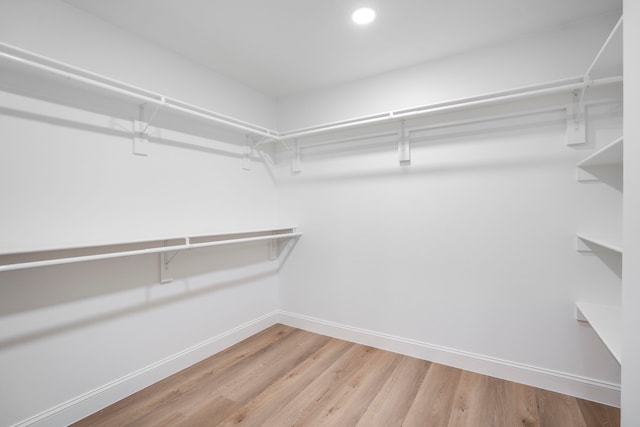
573 385
94 400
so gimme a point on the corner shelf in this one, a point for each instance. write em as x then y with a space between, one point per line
606 321
608 156
611 154
607 241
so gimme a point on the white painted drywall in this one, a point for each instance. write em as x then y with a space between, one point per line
631 277
555 54
472 246
68 178
56 29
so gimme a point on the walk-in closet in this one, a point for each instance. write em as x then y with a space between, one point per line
302 212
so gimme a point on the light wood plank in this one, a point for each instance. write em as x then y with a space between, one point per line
469 403
314 398
351 400
289 377
159 394
523 401
288 387
596 415
242 380
247 379
391 404
559 410
434 400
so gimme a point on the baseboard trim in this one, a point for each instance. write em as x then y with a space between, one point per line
561 382
94 400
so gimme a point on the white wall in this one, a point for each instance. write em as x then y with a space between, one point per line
53 28
554 54
471 248
631 278
75 338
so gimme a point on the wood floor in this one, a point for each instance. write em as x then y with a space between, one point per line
288 377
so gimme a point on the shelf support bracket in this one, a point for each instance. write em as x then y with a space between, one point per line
296 162
274 249
140 137
276 246
247 149
166 272
140 127
576 127
404 146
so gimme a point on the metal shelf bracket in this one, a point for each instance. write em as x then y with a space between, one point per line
166 272
576 129
247 149
404 146
140 127
296 161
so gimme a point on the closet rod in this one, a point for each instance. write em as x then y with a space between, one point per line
186 245
74 73
576 83
69 72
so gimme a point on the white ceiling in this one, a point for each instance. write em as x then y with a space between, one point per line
282 47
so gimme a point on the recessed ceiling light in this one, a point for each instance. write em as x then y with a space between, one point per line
363 16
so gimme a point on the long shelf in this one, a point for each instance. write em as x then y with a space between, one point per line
607 241
14 57
611 154
606 322
157 247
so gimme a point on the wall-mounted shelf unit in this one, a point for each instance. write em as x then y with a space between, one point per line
68 76
606 321
166 247
25 62
606 166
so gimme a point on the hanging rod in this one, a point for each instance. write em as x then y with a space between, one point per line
565 85
73 73
187 245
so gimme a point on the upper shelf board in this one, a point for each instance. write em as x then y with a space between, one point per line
611 154
611 242
606 321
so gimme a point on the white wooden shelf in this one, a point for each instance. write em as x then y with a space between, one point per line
603 163
611 154
167 248
606 321
607 241
44 68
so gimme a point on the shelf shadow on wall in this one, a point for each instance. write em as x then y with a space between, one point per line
145 306
118 130
455 139
37 288
612 259
114 107
56 121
